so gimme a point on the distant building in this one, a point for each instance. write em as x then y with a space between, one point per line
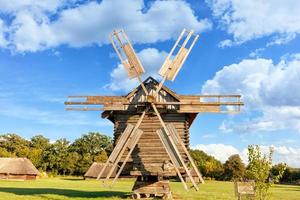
17 168
94 170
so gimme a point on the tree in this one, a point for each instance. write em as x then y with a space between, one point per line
208 165
15 144
101 157
39 142
259 169
35 155
38 145
72 161
91 147
4 153
56 156
277 169
92 143
234 168
214 169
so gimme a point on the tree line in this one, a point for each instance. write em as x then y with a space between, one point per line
63 157
235 169
60 157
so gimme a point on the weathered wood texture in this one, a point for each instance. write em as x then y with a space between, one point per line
152 189
149 155
139 96
166 100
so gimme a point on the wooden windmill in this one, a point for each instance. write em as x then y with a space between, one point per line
151 123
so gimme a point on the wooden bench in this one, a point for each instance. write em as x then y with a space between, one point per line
244 189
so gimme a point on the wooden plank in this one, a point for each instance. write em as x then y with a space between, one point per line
165 67
149 145
122 141
164 70
176 138
198 109
168 148
131 63
133 66
244 189
183 97
174 147
116 151
159 132
131 145
131 135
177 63
170 68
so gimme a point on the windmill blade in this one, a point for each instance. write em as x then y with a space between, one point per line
177 154
126 54
174 62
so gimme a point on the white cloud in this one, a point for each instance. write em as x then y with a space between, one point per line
256 53
285 154
219 151
13 6
289 155
151 59
225 43
3 41
40 25
279 40
248 19
270 93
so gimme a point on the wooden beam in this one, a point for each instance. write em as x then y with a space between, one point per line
174 146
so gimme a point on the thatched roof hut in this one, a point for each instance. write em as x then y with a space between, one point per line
95 169
17 168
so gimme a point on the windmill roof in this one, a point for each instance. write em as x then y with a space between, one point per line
17 166
149 80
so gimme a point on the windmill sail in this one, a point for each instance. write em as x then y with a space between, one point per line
126 53
174 62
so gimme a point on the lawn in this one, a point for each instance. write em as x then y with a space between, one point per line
74 188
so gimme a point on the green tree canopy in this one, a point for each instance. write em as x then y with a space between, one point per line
39 142
92 143
234 168
259 169
208 165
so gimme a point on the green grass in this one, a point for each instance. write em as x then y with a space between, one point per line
74 188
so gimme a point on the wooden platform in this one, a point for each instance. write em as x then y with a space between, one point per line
151 186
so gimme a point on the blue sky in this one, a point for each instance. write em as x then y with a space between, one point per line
54 48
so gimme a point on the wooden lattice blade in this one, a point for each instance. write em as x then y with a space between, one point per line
126 53
174 62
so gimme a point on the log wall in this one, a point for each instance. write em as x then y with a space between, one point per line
149 155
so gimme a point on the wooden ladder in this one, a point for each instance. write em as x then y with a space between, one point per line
177 140
174 154
127 141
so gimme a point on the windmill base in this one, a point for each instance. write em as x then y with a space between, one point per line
151 186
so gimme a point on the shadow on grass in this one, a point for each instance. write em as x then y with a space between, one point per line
64 192
287 187
72 179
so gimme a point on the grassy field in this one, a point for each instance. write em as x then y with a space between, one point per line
74 188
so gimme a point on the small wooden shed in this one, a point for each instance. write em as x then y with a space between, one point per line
17 168
95 169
